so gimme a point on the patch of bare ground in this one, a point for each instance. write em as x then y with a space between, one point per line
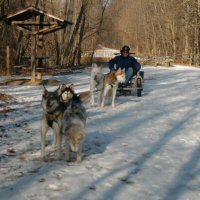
7 98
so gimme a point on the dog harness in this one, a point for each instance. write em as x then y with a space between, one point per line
102 80
54 115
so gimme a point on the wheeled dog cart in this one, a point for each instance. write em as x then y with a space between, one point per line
135 85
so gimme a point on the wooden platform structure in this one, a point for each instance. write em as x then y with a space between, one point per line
22 17
38 23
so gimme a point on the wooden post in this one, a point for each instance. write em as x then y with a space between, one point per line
33 53
8 59
39 74
40 48
39 54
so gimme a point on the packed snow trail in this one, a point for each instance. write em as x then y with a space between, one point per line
145 148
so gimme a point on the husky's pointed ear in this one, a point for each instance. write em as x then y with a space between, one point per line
60 89
101 65
94 65
119 71
123 70
72 87
44 88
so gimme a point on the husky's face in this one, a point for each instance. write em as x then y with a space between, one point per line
75 140
120 75
50 100
67 92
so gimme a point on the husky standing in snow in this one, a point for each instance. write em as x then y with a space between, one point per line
73 127
53 110
96 83
104 84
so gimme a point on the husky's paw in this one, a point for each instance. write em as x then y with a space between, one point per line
67 159
113 105
42 155
66 156
44 159
59 157
78 159
92 103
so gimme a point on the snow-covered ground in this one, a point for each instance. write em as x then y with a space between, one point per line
145 148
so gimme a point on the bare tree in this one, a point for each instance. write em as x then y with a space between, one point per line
152 27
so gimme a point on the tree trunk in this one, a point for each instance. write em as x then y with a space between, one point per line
57 48
19 47
74 34
8 59
68 13
80 41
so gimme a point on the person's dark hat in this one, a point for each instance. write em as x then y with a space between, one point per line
125 48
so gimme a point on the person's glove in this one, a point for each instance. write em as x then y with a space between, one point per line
112 70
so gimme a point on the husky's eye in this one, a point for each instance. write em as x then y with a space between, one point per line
53 97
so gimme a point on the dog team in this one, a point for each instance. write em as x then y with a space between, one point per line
64 112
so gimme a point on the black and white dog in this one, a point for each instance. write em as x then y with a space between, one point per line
54 103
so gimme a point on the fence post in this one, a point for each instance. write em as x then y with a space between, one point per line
33 55
8 59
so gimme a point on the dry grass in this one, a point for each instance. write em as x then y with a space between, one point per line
25 82
6 98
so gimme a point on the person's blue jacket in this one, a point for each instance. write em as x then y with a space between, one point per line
126 62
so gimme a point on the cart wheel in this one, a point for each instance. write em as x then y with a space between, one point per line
141 73
139 92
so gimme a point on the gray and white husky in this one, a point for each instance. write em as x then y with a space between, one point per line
104 84
73 128
96 84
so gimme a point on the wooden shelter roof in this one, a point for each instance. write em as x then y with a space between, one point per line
24 20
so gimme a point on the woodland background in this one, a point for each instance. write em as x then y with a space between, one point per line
149 27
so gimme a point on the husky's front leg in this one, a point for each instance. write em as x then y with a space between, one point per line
55 138
79 153
92 89
105 92
92 98
58 132
67 149
44 128
114 92
100 97
59 145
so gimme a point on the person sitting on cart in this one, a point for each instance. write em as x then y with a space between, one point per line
132 67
